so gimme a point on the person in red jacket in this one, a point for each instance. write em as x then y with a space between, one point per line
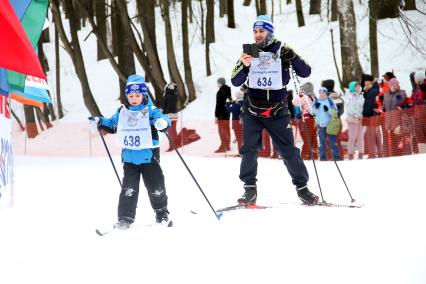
419 96
384 88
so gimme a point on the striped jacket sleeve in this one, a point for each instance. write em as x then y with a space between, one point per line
239 74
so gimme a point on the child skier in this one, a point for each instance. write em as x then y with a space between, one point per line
136 124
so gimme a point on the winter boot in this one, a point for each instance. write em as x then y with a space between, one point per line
123 223
306 196
351 156
250 195
162 215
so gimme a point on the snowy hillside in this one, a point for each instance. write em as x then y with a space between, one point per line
312 42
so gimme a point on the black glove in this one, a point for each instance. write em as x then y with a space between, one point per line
317 104
287 54
325 108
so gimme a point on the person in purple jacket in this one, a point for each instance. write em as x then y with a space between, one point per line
265 107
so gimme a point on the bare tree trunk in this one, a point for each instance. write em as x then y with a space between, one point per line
335 61
171 58
210 37
231 18
21 126
272 10
334 10
299 11
203 36
191 12
58 76
288 2
30 122
146 15
74 50
246 2
388 9
101 43
209 33
374 52
410 5
262 7
126 62
101 19
315 7
157 81
351 67
45 65
222 8
185 47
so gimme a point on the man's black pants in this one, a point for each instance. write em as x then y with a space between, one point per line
280 130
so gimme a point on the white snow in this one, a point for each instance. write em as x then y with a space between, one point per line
48 236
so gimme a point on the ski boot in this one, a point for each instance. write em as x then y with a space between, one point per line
123 223
306 196
162 217
250 195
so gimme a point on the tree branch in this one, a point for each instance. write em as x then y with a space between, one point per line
101 42
60 28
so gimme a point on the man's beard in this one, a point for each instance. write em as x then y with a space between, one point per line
267 41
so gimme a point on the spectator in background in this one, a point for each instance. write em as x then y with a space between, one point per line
338 101
235 108
419 96
169 106
392 104
370 114
354 101
222 116
303 105
321 108
308 88
384 88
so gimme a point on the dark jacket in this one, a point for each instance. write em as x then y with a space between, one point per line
221 96
169 103
235 109
240 74
370 100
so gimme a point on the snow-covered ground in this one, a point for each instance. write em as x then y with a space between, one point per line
49 234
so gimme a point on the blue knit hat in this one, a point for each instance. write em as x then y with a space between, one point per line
323 90
136 85
265 23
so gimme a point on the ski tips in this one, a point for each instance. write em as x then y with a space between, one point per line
219 215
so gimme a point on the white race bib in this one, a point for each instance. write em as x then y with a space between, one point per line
266 72
134 130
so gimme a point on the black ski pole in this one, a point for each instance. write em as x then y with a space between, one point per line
217 214
335 162
109 155
294 77
311 151
337 166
